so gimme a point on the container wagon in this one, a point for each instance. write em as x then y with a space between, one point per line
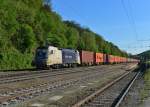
111 59
128 60
87 57
98 58
116 59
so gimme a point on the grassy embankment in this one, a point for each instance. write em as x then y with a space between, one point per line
145 92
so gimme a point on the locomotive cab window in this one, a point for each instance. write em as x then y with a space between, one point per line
41 53
52 52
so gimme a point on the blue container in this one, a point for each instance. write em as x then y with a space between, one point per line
69 56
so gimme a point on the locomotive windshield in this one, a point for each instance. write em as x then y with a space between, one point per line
41 53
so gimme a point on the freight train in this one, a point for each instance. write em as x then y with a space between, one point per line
53 57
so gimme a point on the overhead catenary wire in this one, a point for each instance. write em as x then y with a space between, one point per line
133 22
129 20
130 17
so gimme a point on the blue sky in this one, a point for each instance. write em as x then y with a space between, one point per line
126 23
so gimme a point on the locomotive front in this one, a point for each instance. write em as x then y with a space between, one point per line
41 57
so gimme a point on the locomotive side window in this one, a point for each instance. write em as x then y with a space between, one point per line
52 52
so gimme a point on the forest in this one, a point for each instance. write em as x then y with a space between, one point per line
145 56
28 24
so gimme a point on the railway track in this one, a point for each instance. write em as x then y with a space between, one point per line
19 77
42 74
33 91
123 94
112 94
27 72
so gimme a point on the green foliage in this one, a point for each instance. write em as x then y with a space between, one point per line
28 24
57 40
12 59
145 56
144 93
72 36
24 40
89 42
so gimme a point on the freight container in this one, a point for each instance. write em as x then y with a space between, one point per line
124 59
119 59
99 58
111 59
87 57
70 57
128 60
116 59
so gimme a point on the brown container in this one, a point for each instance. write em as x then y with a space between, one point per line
87 57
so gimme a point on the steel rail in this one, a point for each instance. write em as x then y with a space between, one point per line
118 101
89 98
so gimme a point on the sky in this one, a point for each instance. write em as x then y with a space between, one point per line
126 23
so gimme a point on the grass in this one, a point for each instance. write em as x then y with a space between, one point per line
145 92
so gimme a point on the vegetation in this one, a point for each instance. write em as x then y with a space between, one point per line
145 93
28 24
145 55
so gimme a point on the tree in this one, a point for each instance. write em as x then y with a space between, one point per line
25 39
57 40
72 36
89 42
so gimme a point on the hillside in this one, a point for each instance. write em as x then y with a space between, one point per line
145 55
28 24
